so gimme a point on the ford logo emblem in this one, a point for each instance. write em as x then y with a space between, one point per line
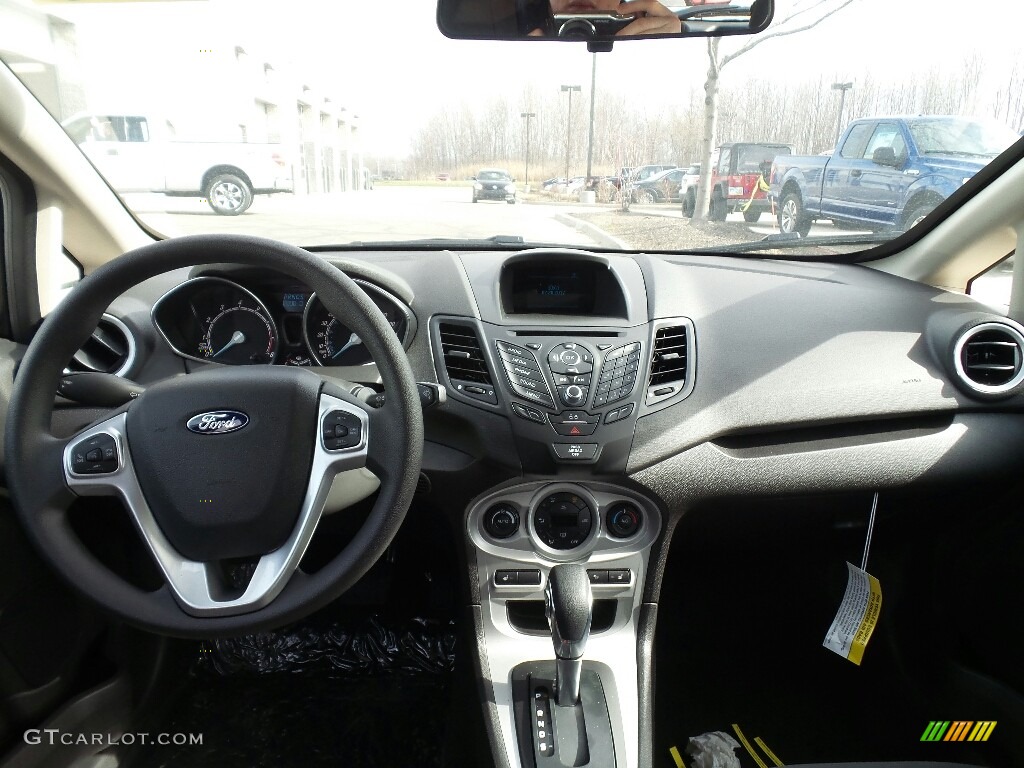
217 422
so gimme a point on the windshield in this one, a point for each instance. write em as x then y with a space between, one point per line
956 136
293 122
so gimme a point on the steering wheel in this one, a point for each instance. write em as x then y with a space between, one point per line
226 463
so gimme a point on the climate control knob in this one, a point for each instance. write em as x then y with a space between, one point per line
623 519
501 521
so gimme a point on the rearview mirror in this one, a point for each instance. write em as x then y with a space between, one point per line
603 23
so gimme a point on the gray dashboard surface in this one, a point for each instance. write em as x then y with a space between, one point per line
784 345
810 376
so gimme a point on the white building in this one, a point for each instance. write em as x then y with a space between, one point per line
78 58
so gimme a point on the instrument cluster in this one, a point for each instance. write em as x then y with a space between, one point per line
269 321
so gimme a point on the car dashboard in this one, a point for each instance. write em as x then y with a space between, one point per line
591 400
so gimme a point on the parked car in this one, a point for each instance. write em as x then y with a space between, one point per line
576 185
688 189
662 187
739 173
644 172
140 153
888 172
494 184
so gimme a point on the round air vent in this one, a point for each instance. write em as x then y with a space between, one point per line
110 349
989 358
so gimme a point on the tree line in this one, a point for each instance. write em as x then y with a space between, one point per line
461 137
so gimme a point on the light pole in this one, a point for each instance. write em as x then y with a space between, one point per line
842 88
568 130
590 133
528 116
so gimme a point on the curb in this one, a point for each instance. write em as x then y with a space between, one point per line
590 230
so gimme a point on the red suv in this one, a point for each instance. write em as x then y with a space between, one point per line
739 179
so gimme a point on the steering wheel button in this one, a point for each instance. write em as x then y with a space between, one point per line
94 455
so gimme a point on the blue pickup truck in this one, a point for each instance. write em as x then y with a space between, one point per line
886 172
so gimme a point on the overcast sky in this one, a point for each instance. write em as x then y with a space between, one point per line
387 61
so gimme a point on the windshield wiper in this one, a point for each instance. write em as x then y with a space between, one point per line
780 241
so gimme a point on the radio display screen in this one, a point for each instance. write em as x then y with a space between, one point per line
554 289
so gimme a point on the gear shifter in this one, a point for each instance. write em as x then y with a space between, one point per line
568 605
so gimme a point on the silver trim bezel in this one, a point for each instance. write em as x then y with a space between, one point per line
586 546
215 278
133 347
189 580
405 339
680 390
1007 326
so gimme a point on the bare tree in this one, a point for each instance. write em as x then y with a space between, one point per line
788 25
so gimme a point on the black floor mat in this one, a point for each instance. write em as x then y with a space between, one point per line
363 694
305 720
739 640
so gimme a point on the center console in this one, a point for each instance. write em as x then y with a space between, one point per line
563 348
521 534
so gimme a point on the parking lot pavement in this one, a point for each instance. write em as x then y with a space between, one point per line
411 212
385 213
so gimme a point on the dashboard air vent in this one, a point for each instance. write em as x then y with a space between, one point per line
464 362
110 349
462 356
989 358
668 362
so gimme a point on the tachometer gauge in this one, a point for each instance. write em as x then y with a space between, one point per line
212 319
239 335
333 343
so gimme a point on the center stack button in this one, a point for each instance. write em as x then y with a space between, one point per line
524 374
572 366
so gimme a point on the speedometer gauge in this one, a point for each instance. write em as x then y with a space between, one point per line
331 342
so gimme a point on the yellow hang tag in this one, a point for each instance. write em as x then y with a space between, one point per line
857 616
